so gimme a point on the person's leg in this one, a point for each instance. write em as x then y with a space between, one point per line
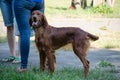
23 10
18 46
17 57
17 33
6 9
11 40
22 14
24 39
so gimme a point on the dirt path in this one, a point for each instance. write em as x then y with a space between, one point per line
90 24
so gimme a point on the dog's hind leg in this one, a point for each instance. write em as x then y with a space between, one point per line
80 51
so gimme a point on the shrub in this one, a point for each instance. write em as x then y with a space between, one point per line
103 9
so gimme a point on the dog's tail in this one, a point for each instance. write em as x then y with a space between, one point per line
93 37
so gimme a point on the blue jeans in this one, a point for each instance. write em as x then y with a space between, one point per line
7 13
23 9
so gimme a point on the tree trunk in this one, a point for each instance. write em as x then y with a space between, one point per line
110 3
96 2
73 5
83 4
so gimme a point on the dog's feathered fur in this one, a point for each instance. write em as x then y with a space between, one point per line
49 38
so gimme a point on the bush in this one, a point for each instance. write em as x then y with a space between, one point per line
102 8
104 63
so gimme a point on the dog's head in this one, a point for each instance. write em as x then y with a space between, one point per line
37 19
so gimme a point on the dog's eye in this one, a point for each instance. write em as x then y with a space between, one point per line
38 14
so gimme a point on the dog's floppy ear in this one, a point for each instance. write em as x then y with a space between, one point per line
44 21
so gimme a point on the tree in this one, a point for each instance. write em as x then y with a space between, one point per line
96 2
110 3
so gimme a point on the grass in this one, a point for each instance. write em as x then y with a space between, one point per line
7 72
104 63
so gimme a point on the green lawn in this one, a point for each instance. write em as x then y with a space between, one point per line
7 72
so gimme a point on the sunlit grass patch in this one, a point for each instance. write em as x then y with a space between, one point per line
103 28
107 40
112 44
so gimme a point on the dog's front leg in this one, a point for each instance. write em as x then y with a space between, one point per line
43 58
51 58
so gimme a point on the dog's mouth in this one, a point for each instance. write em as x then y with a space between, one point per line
35 24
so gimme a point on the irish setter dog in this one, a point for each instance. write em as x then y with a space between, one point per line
49 38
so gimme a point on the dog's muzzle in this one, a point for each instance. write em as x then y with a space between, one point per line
34 23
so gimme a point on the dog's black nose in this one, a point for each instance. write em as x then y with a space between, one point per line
34 19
